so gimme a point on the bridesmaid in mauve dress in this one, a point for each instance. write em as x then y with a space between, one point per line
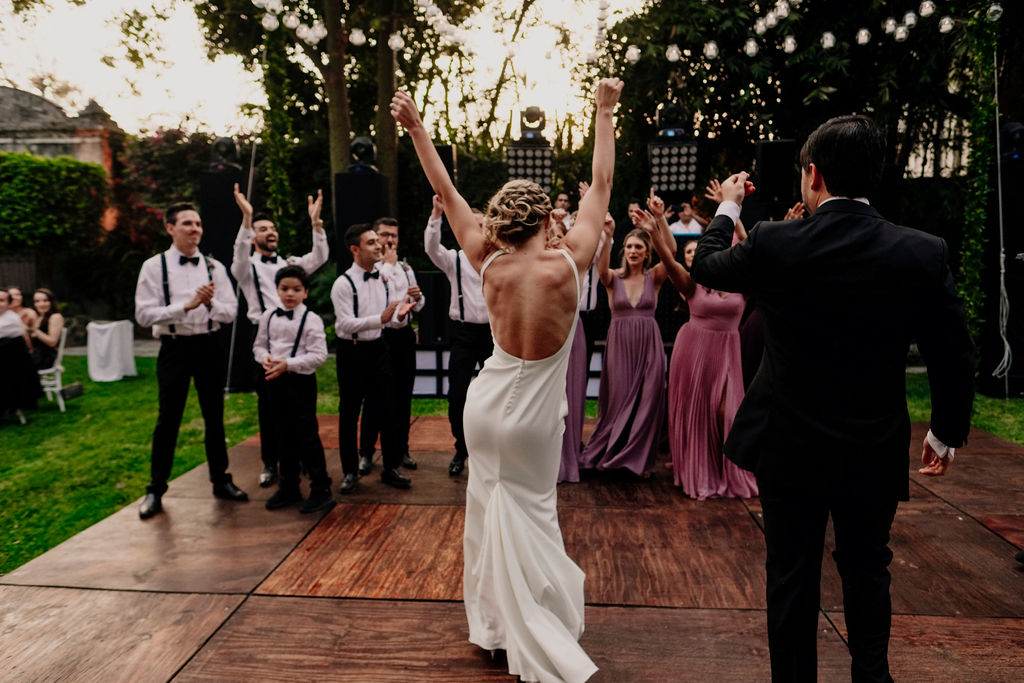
631 400
705 384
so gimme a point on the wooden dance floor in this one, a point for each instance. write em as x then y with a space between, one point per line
213 590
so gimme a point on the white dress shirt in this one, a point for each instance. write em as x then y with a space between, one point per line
588 298
374 295
311 350
245 260
732 210
10 325
401 277
691 227
474 307
152 309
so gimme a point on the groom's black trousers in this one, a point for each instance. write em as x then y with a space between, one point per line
794 526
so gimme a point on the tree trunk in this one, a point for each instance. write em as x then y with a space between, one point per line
336 87
387 132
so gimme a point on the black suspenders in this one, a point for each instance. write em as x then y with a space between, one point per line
458 282
167 291
259 294
298 335
590 285
355 299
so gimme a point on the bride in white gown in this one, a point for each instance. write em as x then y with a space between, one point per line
522 592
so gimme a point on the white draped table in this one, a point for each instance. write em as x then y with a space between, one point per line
110 350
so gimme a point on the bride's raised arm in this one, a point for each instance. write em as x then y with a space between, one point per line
582 240
460 215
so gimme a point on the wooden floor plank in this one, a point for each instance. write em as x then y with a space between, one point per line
944 563
197 545
305 639
963 649
49 634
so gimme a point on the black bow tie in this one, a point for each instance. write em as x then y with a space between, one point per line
268 259
287 314
374 274
194 260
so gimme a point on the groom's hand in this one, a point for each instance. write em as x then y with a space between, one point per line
736 187
934 466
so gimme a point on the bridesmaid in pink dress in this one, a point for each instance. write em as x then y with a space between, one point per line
631 399
705 384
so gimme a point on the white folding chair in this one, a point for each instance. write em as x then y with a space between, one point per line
50 378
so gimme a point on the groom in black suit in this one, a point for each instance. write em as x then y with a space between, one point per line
824 425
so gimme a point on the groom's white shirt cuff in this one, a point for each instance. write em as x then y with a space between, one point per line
941 449
729 208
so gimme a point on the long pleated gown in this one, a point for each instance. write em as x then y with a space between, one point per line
522 592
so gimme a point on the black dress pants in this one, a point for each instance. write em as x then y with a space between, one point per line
472 345
181 359
364 383
794 525
401 348
292 424
268 446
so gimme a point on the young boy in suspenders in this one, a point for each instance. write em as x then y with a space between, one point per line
290 345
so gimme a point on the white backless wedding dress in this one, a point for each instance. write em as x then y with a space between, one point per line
522 592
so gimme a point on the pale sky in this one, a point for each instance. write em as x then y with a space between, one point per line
69 42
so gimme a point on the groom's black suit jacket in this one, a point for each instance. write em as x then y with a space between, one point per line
842 294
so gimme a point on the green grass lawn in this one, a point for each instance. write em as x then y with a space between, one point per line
61 473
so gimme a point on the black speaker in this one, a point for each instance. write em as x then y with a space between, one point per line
358 198
992 346
776 176
219 213
433 317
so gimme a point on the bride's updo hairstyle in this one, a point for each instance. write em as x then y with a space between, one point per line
516 213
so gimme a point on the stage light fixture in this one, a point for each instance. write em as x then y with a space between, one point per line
673 165
363 156
531 162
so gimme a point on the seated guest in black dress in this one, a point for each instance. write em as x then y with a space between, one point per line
45 333
20 386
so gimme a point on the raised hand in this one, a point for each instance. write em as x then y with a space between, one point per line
643 220
314 208
388 253
415 292
244 205
389 312
558 215
584 187
796 212
609 225
736 187
608 91
714 191
655 204
437 209
404 110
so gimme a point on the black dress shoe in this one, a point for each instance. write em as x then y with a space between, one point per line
348 484
408 463
267 477
228 491
150 506
317 501
365 465
456 466
395 478
284 498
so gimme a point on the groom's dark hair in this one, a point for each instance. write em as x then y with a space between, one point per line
849 152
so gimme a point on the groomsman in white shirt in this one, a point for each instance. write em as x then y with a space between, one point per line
254 266
400 340
469 327
363 304
186 297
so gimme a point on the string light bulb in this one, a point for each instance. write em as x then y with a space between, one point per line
945 24
672 54
889 25
901 33
750 47
760 26
926 9
863 36
396 42
270 22
770 19
828 40
994 12
632 54
910 20
711 49
789 45
357 37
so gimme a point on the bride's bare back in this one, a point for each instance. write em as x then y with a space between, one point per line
531 293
